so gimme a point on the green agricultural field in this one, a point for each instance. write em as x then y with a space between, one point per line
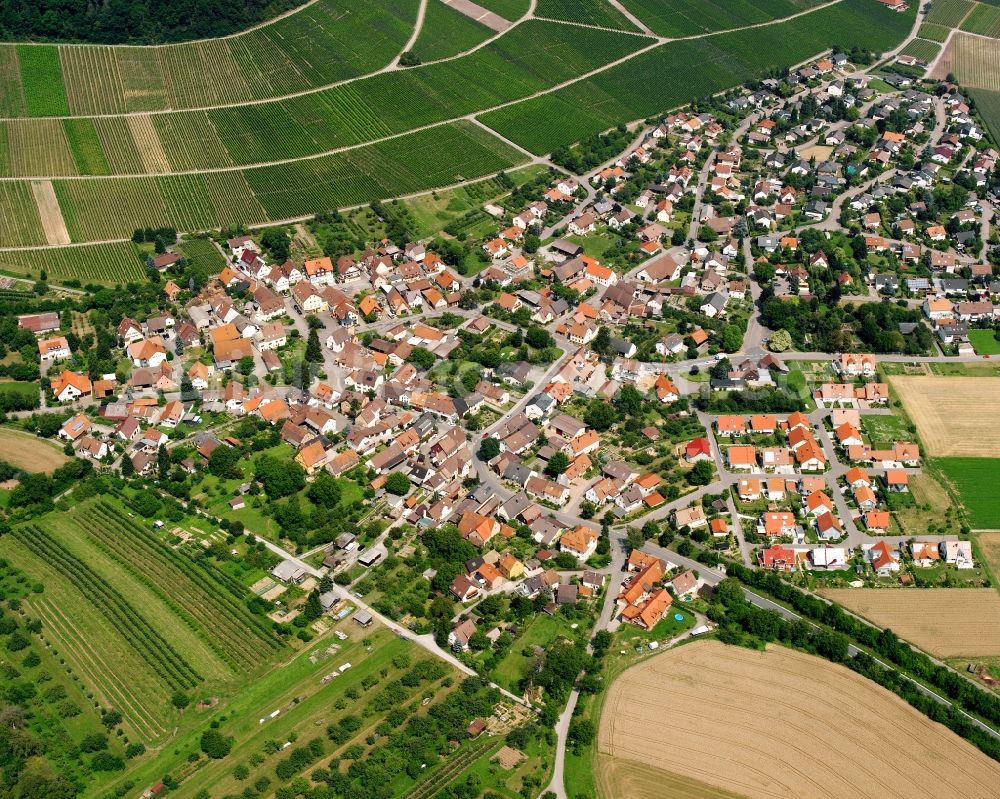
12 101
625 92
984 20
86 146
932 32
588 12
447 32
949 13
924 50
41 77
204 254
108 264
20 223
988 105
324 42
508 9
975 481
676 18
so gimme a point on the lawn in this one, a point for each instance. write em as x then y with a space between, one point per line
985 342
541 631
975 481
885 430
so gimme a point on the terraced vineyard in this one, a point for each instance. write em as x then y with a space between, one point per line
110 264
625 91
282 122
324 42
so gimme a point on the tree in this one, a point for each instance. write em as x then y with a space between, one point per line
325 491
313 608
732 338
128 468
279 478
162 462
780 341
629 401
539 338
421 357
489 449
600 415
224 462
700 474
314 352
276 241
397 483
214 744
557 464
602 342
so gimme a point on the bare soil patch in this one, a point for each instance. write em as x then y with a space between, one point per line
782 723
29 452
947 622
954 415
53 223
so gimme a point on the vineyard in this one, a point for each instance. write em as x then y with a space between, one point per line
974 62
988 104
19 219
676 18
625 92
111 208
207 599
922 49
447 32
327 41
984 20
168 664
588 12
949 13
932 32
108 264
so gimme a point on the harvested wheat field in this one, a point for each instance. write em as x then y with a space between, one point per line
989 547
617 777
29 452
954 415
947 622
782 723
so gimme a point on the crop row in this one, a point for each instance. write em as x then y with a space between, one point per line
446 32
984 20
111 264
20 223
587 12
949 13
96 209
327 41
691 17
633 90
162 658
215 605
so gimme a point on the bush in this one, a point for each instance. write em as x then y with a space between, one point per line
215 745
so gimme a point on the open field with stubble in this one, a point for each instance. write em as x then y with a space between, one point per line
29 452
953 414
946 622
779 723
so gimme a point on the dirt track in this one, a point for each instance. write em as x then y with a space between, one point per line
783 724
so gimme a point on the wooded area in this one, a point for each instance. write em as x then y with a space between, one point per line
132 21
